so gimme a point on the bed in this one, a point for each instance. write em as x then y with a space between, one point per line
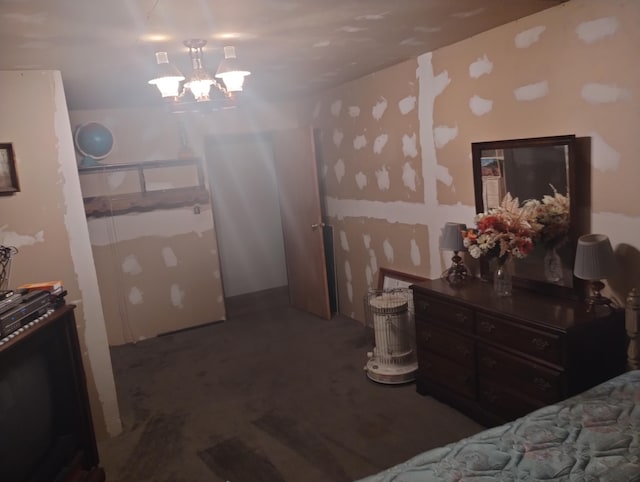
594 436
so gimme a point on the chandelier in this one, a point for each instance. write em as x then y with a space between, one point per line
199 91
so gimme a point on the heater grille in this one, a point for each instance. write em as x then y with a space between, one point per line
390 313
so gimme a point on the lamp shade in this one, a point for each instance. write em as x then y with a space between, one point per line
594 258
452 239
167 77
230 71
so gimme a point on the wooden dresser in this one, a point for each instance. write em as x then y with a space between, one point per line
496 359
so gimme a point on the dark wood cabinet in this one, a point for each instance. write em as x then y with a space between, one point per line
45 419
497 359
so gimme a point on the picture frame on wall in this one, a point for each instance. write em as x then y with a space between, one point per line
8 173
390 279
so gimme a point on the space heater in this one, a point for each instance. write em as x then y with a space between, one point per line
390 313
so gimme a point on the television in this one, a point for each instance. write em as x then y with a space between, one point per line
46 431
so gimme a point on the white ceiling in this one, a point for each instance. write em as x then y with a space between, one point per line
105 48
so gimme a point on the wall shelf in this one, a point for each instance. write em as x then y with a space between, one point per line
145 199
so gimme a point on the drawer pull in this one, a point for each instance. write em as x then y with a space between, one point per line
463 350
461 317
487 327
540 344
488 361
542 384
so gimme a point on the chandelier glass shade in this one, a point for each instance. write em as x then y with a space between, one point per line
199 86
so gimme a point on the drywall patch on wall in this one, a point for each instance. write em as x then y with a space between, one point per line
170 259
444 134
115 179
322 43
216 274
361 180
443 175
373 261
595 93
344 242
11 238
415 253
368 274
439 83
339 170
604 157
407 104
388 250
379 143
373 16
165 223
410 145
177 295
337 137
336 108
527 38
366 239
532 91
594 30
409 176
359 142
478 68
382 176
480 106
131 266
379 108
427 29
348 276
135 296
354 111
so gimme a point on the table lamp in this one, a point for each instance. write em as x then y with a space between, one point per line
457 274
594 262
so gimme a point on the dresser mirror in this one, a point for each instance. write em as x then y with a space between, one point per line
530 169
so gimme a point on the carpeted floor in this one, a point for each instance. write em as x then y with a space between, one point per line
270 395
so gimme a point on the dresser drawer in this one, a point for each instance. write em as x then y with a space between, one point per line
448 344
449 374
545 346
499 399
451 315
535 381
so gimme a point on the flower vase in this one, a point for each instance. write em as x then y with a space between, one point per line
503 277
552 265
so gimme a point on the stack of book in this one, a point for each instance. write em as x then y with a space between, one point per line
55 288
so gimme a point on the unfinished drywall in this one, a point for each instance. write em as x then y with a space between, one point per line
158 270
45 221
570 69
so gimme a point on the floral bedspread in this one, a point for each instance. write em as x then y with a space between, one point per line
594 436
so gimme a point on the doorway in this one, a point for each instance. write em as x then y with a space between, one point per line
244 198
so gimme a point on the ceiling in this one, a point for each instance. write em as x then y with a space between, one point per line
105 49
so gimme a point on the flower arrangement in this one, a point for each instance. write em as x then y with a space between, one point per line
552 217
506 231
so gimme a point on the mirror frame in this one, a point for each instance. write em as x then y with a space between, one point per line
577 211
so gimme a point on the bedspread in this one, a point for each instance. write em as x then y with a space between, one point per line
594 436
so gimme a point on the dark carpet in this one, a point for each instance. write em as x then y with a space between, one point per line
270 395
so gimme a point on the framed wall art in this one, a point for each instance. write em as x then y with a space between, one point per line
8 173
389 279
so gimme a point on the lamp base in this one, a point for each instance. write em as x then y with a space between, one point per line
457 275
596 299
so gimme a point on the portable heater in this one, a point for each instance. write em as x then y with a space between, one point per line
390 313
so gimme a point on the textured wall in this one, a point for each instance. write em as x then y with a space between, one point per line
158 270
571 69
46 222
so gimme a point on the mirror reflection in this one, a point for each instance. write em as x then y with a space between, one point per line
538 172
